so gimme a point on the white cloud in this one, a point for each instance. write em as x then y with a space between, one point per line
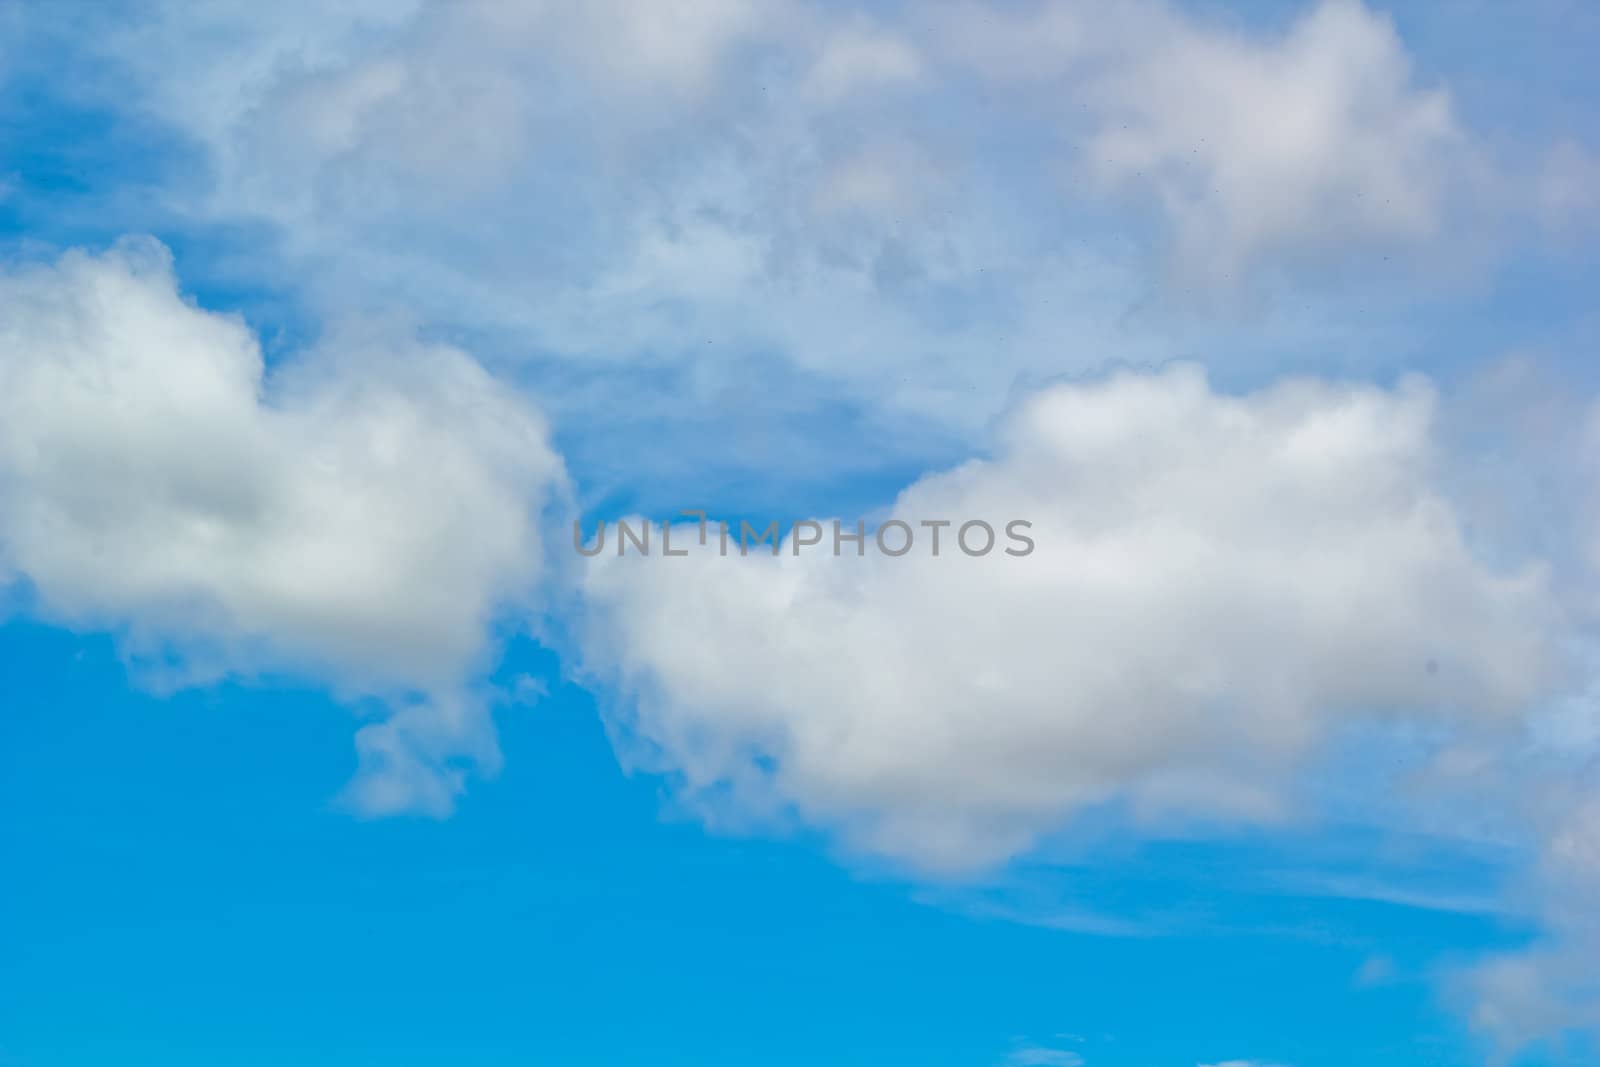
360 513
1219 583
1039 1056
1316 139
1255 145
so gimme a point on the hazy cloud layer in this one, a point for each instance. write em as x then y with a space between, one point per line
744 188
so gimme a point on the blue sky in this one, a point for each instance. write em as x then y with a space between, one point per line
318 329
559 917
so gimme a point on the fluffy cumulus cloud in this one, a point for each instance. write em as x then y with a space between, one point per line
360 513
1218 583
1253 144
